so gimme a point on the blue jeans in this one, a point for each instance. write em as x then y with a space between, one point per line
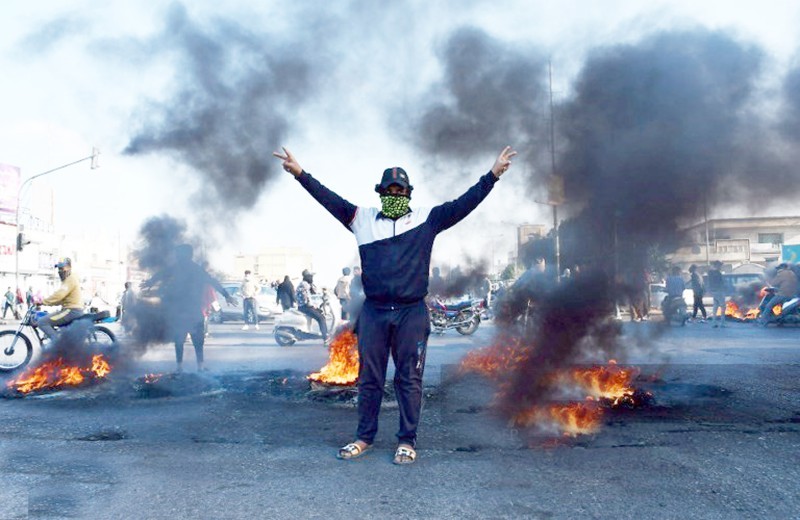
249 304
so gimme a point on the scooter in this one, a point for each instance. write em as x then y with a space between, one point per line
293 326
790 309
674 310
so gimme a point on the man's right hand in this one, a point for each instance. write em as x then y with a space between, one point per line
290 164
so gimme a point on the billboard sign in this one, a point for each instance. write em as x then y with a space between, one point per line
790 253
9 189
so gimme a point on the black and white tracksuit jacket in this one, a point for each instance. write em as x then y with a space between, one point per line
396 254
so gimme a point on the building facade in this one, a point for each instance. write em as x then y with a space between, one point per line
272 264
748 243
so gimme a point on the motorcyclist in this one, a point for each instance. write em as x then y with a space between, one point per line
68 296
303 296
675 286
786 287
529 288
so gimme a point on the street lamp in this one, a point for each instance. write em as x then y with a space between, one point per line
94 165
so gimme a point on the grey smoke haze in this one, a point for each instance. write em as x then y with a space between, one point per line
49 35
235 89
492 94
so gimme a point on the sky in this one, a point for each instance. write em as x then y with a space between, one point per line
187 101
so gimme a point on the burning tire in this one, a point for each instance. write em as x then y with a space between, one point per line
471 327
15 350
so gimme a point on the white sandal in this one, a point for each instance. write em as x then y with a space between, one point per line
404 455
352 451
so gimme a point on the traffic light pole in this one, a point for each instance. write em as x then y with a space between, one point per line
19 244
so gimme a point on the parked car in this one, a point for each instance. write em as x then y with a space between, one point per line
267 306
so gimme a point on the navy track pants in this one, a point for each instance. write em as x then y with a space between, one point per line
403 332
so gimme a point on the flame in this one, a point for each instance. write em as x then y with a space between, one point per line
342 366
601 386
100 367
571 419
732 310
495 360
609 382
57 373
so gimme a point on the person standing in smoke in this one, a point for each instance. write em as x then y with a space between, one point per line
698 289
284 293
520 299
716 286
395 245
638 295
303 294
674 286
182 287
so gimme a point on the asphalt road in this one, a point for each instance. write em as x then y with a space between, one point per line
245 440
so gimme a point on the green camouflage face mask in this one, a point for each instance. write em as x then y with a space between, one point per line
394 206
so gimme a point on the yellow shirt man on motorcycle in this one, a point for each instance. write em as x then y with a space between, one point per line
68 296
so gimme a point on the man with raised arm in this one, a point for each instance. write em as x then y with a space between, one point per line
395 244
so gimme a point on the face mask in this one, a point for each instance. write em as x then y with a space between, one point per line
394 206
63 274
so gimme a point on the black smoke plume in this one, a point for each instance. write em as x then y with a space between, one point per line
492 95
571 326
235 90
471 279
655 134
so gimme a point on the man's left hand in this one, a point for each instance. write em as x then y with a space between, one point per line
290 164
503 161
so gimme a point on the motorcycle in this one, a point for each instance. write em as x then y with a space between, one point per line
464 316
293 326
674 310
790 309
16 348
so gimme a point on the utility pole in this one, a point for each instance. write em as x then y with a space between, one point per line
553 202
20 239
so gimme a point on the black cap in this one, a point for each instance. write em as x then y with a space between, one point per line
307 273
391 176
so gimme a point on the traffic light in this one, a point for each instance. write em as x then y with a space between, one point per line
22 241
